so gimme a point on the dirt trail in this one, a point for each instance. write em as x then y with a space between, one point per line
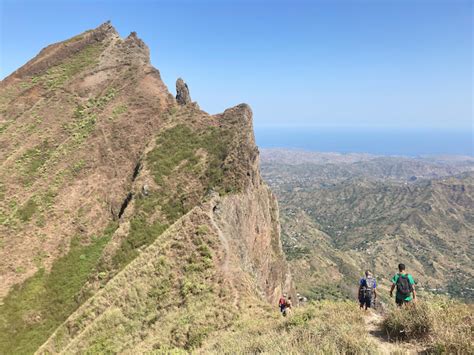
226 260
373 322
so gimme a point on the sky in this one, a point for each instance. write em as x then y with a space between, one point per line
380 64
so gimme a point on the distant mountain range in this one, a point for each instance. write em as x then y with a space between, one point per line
342 213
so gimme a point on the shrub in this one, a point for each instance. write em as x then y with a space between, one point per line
453 328
444 326
27 210
413 321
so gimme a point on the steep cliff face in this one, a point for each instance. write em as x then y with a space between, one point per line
138 221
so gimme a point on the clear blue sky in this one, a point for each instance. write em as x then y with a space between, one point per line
402 64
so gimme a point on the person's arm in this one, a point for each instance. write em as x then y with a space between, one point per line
394 282
375 293
391 289
412 281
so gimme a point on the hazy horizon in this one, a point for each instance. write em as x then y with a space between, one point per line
404 142
297 63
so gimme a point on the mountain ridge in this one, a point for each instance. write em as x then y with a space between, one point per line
121 183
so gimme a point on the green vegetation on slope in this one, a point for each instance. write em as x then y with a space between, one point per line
141 235
56 76
27 210
319 328
185 165
181 144
173 298
34 309
86 116
32 160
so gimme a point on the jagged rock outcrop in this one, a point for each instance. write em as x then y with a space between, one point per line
83 236
182 92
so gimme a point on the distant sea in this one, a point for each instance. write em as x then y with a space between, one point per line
380 142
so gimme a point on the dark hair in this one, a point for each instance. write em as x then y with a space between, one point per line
401 267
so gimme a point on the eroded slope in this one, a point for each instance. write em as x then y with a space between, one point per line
127 215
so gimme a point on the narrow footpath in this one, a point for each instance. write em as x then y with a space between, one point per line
373 322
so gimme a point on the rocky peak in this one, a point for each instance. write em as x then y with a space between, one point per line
106 27
182 92
56 53
133 40
136 164
129 50
104 30
132 50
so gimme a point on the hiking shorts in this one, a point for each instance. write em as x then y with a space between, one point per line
401 302
365 301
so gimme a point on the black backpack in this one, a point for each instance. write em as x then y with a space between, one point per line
404 287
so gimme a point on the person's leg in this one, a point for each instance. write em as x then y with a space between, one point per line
399 302
368 301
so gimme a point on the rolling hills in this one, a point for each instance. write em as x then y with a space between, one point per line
342 214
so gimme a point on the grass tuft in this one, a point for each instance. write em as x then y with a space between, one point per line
26 212
445 326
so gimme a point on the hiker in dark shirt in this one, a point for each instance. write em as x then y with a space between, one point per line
367 290
405 285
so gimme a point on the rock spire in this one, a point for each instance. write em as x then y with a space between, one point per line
182 92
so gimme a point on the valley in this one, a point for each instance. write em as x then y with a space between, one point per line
132 221
344 213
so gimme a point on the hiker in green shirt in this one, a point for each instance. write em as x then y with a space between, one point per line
405 286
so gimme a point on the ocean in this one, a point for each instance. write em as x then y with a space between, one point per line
380 142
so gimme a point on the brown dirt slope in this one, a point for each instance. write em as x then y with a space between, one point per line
122 208
74 122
